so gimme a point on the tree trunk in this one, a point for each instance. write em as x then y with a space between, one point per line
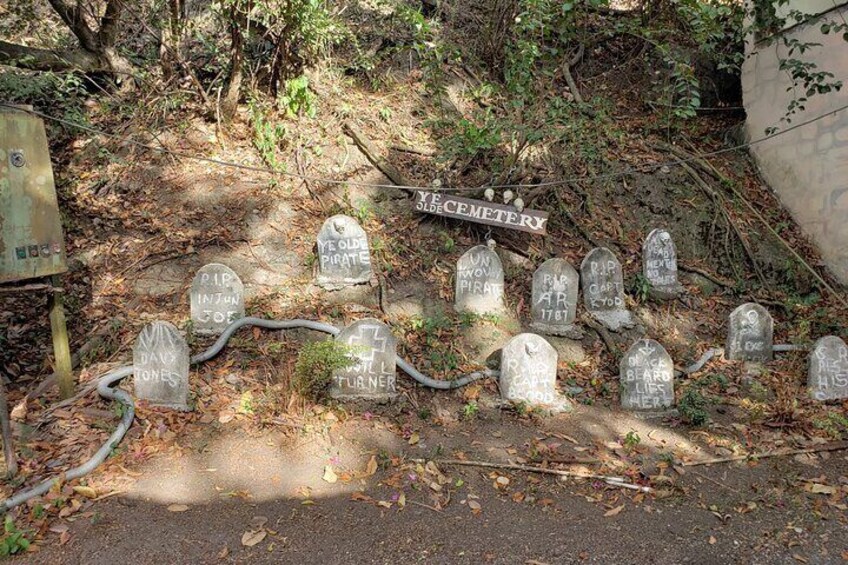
35 59
229 104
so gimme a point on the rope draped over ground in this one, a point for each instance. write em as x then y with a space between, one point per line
107 388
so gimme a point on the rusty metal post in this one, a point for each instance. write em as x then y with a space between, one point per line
61 345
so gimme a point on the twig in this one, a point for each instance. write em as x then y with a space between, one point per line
706 275
414 150
6 425
427 506
302 170
612 481
715 482
28 288
840 445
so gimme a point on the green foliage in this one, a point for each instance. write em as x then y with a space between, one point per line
316 363
470 410
692 406
296 98
268 136
631 440
13 541
834 423
641 288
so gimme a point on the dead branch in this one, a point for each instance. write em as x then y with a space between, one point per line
371 153
610 480
6 426
707 275
837 446
604 335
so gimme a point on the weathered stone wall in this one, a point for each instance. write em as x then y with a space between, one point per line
807 167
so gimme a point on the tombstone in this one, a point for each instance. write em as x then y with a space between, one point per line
160 366
343 254
217 299
554 300
603 289
528 373
749 337
659 264
647 377
374 349
828 376
479 282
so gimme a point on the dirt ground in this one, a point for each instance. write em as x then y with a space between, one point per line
233 482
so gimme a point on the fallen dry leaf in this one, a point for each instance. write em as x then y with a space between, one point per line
177 508
414 438
252 537
371 467
474 506
615 511
329 475
87 492
712 540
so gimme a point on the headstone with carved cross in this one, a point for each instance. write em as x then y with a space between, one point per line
374 350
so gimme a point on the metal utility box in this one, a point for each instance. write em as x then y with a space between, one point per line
31 240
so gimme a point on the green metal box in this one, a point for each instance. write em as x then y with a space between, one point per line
31 240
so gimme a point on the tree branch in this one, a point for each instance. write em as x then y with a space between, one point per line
108 32
74 19
35 59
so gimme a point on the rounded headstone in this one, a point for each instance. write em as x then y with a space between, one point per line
374 349
828 374
659 264
160 366
554 299
603 289
479 282
528 373
217 299
344 258
647 377
749 335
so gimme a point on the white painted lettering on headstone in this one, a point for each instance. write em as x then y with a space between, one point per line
554 299
659 264
217 299
479 281
828 375
344 258
528 372
374 349
160 366
749 336
603 289
647 377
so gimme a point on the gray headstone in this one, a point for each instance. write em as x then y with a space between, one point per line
160 366
217 299
479 281
344 258
647 377
603 289
749 337
554 306
528 373
828 377
659 264
375 350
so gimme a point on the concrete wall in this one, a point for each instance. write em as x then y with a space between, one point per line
807 167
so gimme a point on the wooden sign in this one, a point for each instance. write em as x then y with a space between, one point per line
481 212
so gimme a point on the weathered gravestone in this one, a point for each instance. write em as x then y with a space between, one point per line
603 289
647 377
343 255
659 264
828 376
528 373
160 366
749 337
554 305
479 281
374 349
217 299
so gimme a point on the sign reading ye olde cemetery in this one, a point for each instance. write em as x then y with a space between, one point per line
481 212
